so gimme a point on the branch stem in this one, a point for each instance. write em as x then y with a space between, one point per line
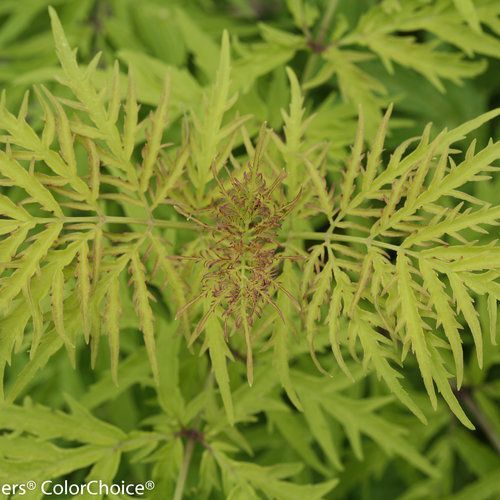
183 473
466 398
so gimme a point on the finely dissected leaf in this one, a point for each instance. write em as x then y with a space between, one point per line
38 288
274 487
203 47
131 112
303 13
14 171
47 424
290 426
173 178
105 469
434 65
169 392
37 319
210 124
83 283
49 129
358 420
294 129
310 266
482 489
281 339
281 360
65 137
469 13
384 370
112 324
80 83
7 226
445 315
61 463
320 429
132 370
271 480
30 262
364 276
57 302
441 378
355 84
172 275
453 224
465 305
333 319
218 352
143 310
49 345
459 133
322 286
248 342
10 245
114 94
373 159
153 145
320 187
97 253
10 209
354 166
413 324
462 173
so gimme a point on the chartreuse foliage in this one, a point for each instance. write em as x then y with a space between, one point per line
205 198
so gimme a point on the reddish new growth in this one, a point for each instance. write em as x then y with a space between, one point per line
242 257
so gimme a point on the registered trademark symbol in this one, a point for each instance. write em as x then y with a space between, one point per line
150 485
31 485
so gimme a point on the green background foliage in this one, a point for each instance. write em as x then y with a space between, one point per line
235 257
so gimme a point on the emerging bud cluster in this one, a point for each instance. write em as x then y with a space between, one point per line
242 258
